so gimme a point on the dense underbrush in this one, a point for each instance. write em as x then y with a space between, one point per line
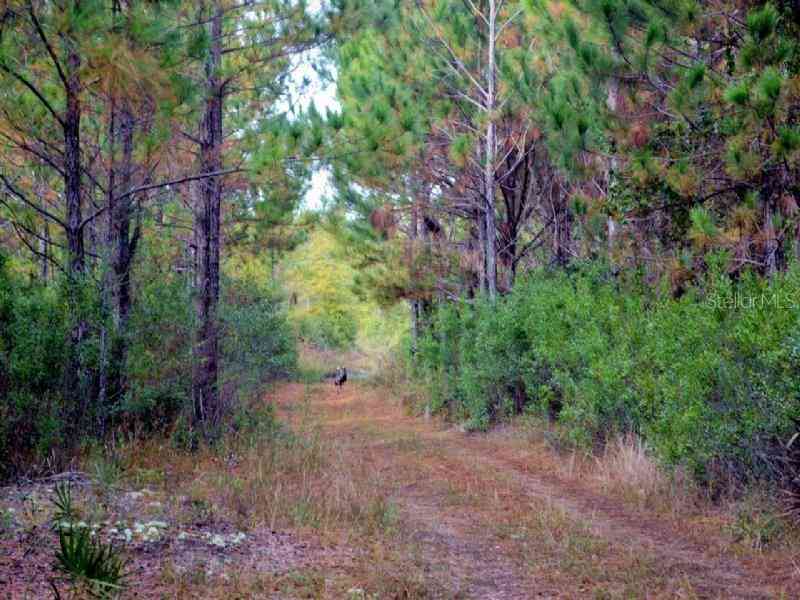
710 380
41 431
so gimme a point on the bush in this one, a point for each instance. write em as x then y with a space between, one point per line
92 568
329 328
710 380
32 340
38 428
258 344
160 353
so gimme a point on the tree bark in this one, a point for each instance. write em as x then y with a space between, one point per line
44 240
205 392
72 169
44 249
481 221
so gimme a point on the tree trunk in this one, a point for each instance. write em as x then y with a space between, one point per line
123 247
481 221
72 170
414 304
771 245
205 392
76 400
44 250
612 100
562 235
489 167
44 240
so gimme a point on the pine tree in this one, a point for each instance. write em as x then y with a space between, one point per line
688 106
246 52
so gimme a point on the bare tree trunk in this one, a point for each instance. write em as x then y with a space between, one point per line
771 245
44 240
612 100
562 237
123 248
205 392
481 220
72 170
489 167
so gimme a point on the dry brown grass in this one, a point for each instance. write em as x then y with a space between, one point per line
295 477
626 468
298 480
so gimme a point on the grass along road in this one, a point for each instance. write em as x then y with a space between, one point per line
499 515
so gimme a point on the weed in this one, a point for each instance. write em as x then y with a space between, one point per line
757 523
90 566
200 512
305 584
147 477
627 467
65 513
381 514
108 471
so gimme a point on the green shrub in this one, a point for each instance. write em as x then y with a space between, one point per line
91 567
709 379
37 427
331 327
32 347
160 353
258 344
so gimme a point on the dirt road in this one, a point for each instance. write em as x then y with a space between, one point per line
359 500
493 516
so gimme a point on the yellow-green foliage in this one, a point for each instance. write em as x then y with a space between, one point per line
325 308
